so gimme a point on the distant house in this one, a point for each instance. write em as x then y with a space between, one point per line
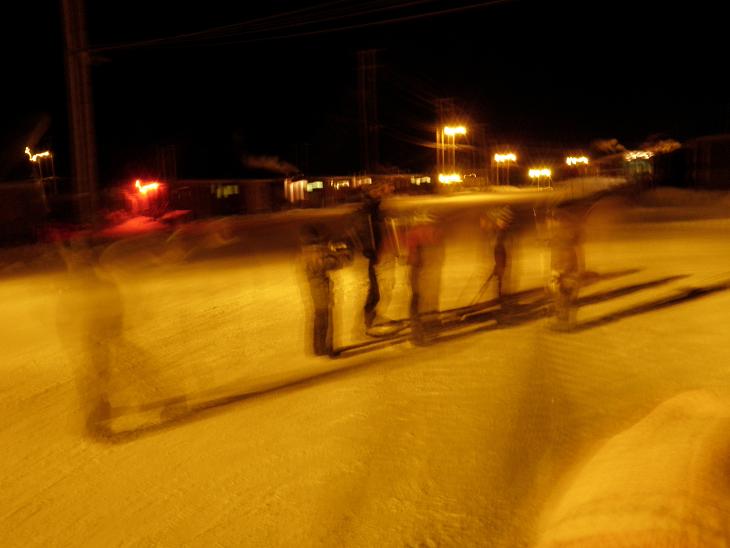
322 191
634 166
211 197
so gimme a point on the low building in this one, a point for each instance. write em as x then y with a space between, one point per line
212 197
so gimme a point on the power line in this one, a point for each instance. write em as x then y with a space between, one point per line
312 15
369 24
184 36
211 33
348 15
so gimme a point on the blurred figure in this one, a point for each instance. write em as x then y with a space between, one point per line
320 256
424 258
92 309
91 314
498 223
370 235
566 261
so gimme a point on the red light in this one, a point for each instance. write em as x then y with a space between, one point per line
145 188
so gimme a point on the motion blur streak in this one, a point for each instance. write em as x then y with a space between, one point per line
566 382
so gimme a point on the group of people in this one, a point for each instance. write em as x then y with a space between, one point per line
321 255
418 239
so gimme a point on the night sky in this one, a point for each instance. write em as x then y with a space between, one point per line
537 74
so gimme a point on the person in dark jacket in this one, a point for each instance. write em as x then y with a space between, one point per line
499 222
371 228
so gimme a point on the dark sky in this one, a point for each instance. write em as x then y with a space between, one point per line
549 73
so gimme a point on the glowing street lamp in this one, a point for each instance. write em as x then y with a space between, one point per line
502 158
34 157
539 173
505 158
449 178
576 160
37 157
452 131
441 134
632 155
145 188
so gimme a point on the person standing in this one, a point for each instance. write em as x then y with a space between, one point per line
498 222
422 243
371 228
320 257
566 262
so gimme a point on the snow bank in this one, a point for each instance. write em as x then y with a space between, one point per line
662 482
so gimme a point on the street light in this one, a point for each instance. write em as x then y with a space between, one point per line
505 158
447 131
579 165
36 159
539 173
449 178
632 155
576 160
452 131
146 187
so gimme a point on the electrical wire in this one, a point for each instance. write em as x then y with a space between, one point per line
311 15
227 30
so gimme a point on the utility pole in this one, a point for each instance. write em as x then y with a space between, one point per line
445 115
81 113
368 110
167 162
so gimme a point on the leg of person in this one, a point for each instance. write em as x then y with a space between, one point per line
565 297
320 331
572 288
417 331
329 332
373 297
321 295
95 387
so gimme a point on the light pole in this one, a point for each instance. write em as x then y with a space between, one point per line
453 131
81 111
539 173
440 149
505 158
577 162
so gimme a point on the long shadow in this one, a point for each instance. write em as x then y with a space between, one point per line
681 297
588 279
452 328
626 290
489 315
215 405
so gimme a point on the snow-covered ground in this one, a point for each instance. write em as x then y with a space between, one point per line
470 441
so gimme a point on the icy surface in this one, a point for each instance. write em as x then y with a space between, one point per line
466 442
